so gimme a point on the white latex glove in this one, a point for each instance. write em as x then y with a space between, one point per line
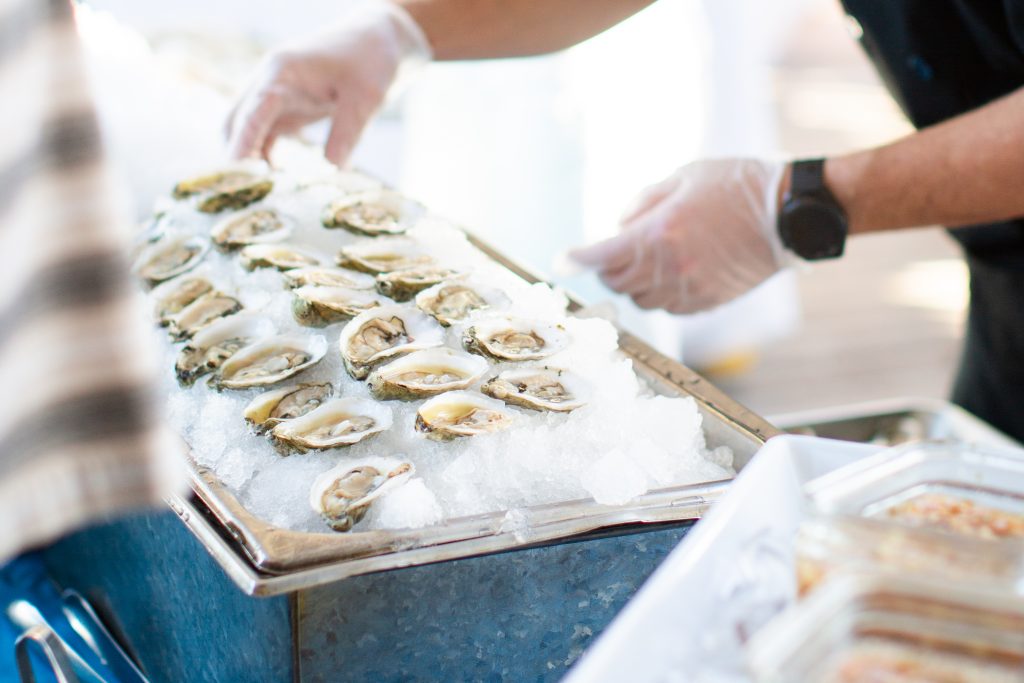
696 240
342 74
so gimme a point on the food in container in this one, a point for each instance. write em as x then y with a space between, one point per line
514 339
461 413
217 342
169 257
342 495
316 306
269 361
170 297
326 276
383 255
271 407
335 424
372 214
228 189
382 333
403 285
253 226
280 256
426 373
453 301
205 310
540 388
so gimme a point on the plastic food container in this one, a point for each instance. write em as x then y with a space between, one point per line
886 628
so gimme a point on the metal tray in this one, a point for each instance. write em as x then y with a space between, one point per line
266 560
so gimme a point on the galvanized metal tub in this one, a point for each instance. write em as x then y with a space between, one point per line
448 602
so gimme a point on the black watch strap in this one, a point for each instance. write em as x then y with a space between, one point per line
811 223
808 177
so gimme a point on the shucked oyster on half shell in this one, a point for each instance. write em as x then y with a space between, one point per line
326 276
461 413
515 339
217 342
372 213
253 226
280 256
403 285
342 495
426 373
382 333
229 189
271 407
201 312
454 300
169 257
318 306
270 360
539 389
383 255
170 297
337 423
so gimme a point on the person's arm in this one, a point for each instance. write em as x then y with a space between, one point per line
484 29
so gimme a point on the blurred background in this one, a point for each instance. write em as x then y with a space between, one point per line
537 155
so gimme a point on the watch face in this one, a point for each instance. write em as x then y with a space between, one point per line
813 229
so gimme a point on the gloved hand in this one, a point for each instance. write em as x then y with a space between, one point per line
342 74
696 240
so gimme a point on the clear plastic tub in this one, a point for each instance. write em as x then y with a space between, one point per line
885 628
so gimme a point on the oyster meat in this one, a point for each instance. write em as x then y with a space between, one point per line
169 257
172 296
513 339
337 423
318 306
201 312
538 389
231 189
453 301
461 413
372 214
426 373
217 342
280 256
270 360
269 408
255 226
325 276
383 332
342 495
383 255
403 285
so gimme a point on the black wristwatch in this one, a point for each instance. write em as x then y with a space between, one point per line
811 222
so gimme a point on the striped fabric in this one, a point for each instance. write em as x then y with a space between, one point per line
78 434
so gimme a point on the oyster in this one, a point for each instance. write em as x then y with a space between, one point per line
201 312
232 189
217 342
318 306
342 495
169 257
383 332
538 389
337 423
453 301
426 373
326 276
515 339
403 285
461 413
271 407
173 295
372 214
269 361
383 255
255 226
280 256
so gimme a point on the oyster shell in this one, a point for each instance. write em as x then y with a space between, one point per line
172 296
426 373
217 342
325 276
383 255
343 494
461 413
337 423
453 301
169 257
538 389
383 332
201 312
271 407
269 361
403 285
230 189
318 306
372 214
255 226
280 256
515 339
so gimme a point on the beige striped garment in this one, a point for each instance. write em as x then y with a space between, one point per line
79 436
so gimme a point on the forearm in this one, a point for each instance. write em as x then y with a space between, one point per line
483 29
965 171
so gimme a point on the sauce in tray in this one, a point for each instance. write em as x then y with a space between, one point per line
954 514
